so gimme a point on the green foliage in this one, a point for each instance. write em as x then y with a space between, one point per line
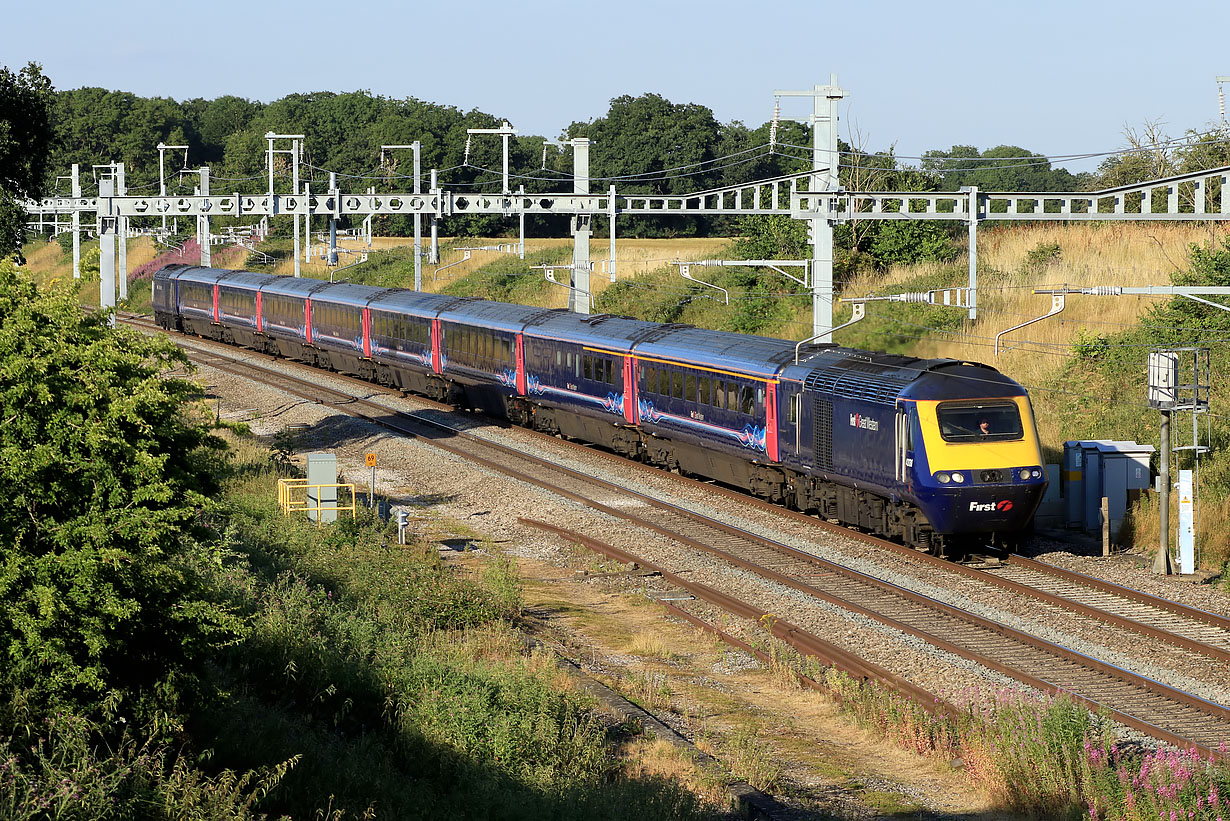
395 683
1088 345
1042 255
637 299
25 129
103 605
25 139
897 331
1003 168
62 772
510 279
905 242
770 237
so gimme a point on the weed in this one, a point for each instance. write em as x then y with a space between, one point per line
749 758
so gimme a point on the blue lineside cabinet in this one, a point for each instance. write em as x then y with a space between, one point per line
1094 468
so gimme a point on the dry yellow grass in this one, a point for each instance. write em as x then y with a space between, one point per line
650 644
1095 254
633 256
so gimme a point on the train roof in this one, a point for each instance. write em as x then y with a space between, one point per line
292 286
618 333
244 279
347 293
721 350
884 378
196 273
171 271
963 380
501 316
415 303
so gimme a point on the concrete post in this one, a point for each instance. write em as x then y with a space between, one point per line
1161 562
307 229
521 222
418 219
162 184
973 251
294 187
106 247
826 161
433 252
1105 526
332 258
122 239
579 295
612 254
76 222
202 223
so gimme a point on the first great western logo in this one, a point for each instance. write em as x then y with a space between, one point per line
857 420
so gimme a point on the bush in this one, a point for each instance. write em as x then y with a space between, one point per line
104 605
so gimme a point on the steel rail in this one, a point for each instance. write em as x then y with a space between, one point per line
807 643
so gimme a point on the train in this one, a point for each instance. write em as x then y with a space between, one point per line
939 454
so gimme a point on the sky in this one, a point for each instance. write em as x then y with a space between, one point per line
1057 78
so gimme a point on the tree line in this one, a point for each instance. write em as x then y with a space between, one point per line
644 144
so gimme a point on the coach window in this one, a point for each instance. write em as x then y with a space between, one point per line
759 401
705 397
651 379
589 366
677 385
576 366
689 387
610 371
746 400
664 382
719 394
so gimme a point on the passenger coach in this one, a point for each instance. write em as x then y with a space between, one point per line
932 452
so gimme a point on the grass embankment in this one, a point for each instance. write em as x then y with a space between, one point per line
370 679
1041 756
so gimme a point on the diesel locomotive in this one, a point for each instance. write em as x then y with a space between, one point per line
936 453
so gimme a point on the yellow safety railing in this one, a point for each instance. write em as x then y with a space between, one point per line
295 495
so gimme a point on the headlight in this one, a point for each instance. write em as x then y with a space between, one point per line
958 478
1025 474
943 478
1037 474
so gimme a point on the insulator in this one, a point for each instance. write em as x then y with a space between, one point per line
777 113
1105 290
922 297
466 159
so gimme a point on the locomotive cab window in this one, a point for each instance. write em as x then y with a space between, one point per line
982 422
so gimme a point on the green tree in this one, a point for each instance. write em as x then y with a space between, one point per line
1002 168
25 139
101 601
653 146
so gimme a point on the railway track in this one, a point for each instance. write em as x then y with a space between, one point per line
1166 713
1157 618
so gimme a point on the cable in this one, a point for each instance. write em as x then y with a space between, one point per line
1175 141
